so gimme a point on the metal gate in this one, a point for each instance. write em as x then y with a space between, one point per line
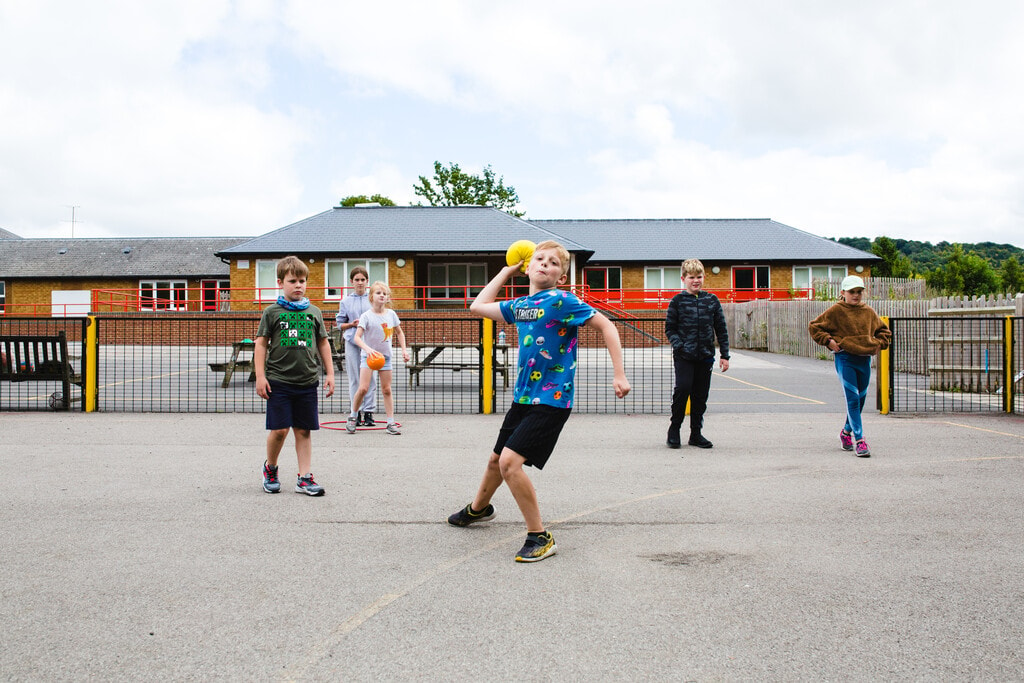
956 365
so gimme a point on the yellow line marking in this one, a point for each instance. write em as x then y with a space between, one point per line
774 391
982 429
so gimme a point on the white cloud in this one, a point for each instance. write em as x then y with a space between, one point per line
218 117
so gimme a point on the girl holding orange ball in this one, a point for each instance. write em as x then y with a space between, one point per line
377 328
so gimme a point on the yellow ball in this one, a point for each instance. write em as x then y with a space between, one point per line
521 250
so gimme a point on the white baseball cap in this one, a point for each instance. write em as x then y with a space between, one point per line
851 282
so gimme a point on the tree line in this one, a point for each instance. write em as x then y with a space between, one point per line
949 268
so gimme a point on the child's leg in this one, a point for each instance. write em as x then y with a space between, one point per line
699 391
275 441
511 466
385 390
851 376
303 450
489 484
365 374
682 390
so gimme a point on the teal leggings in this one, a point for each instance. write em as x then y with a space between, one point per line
855 375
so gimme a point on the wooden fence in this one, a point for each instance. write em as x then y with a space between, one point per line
781 326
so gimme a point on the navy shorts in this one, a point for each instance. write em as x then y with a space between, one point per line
532 431
293 406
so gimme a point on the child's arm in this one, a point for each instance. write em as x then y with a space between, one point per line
611 340
358 341
484 304
259 362
324 347
401 343
821 329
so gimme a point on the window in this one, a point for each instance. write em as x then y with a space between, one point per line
266 281
604 283
3 297
338 271
662 278
817 278
455 280
163 295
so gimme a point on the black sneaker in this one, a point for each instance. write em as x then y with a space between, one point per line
466 516
368 420
270 481
308 486
699 441
672 441
537 547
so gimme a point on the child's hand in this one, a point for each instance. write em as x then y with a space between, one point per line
405 355
329 383
262 387
621 386
723 363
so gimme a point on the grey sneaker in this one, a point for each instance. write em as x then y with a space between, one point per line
308 486
466 516
392 428
270 481
350 426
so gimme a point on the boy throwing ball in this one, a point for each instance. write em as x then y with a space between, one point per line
547 320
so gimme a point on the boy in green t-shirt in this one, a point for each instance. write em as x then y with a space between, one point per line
290 335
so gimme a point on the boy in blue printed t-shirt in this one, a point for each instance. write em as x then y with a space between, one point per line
547 320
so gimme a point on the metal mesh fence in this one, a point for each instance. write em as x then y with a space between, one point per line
952 364
202 363
28 394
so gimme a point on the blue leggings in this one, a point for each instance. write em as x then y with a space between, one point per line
855 375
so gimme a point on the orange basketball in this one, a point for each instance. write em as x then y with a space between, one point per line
375 361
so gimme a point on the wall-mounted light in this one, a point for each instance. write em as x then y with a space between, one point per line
859 269
716 270
312 260
400 262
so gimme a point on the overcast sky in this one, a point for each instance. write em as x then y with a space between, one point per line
207 117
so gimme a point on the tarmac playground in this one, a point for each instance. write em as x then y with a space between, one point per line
141 546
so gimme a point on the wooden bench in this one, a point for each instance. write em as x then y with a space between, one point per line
29 358
418 364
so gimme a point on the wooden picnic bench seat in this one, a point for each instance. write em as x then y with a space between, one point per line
33 358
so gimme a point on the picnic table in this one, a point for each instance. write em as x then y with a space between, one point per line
428 356
237 363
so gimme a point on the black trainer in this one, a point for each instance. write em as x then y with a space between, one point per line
537 547
368 420
673 440
466 516
699 441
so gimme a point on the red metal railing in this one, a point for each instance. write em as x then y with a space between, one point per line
618 302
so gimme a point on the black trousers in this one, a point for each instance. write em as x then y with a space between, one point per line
693 382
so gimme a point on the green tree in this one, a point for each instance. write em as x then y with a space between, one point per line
453 187
964 273
1011 275
363 199
894 264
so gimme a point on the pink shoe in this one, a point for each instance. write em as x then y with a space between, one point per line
862 449
846 440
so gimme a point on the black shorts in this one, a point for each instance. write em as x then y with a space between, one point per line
531 431
292 406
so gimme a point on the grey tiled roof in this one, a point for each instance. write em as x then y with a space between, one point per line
401 229
754 240
107 257
8 235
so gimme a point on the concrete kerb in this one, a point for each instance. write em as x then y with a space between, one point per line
143 546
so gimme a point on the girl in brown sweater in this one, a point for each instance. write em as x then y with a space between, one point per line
854 333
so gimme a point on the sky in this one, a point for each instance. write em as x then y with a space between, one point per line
180 118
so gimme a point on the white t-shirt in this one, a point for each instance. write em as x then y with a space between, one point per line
377 329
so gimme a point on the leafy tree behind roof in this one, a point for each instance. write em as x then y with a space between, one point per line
451 186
